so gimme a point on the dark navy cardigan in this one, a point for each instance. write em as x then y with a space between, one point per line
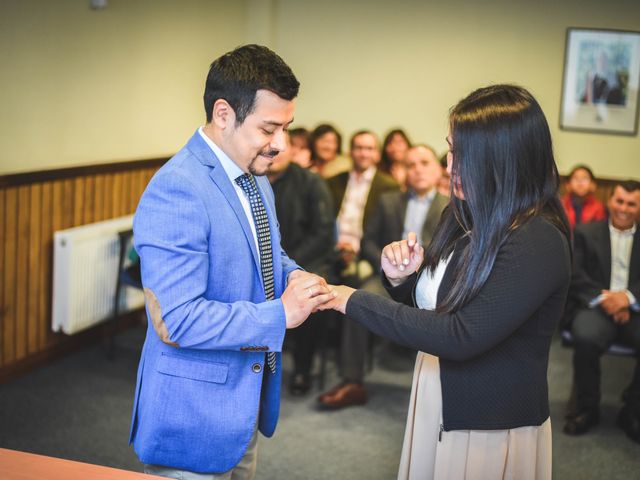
493 351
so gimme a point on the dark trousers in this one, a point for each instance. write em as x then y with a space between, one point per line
593 332
355 338
305 342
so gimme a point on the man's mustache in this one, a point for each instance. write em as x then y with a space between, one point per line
270 153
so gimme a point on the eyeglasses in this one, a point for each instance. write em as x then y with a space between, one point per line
449 143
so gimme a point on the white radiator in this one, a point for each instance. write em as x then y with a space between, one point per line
85 267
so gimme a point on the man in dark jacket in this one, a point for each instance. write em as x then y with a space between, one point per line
606 288
305 215
356 195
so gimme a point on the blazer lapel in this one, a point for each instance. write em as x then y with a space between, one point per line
205 155
431 220
373 192
634 261
603 247
400 214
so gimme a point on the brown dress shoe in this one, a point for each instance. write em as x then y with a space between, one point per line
582 422
343 395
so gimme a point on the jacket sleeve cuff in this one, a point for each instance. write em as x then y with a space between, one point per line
633 302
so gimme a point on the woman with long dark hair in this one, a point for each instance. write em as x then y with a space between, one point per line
392 155
483 302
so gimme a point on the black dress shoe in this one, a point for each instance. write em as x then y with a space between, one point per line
581 422
629 421
300 384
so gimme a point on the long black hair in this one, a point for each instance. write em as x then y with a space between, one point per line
502 160
385 161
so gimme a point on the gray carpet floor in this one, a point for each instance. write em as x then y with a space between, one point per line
79 408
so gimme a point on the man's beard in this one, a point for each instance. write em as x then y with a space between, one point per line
264 154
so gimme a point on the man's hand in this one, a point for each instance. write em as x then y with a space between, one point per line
400 259
305 292
614 302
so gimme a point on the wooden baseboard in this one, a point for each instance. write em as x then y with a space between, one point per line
72 343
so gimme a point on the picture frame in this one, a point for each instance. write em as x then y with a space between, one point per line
601 80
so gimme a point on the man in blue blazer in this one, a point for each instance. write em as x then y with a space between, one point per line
219 290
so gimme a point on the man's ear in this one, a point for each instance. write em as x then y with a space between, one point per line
223 115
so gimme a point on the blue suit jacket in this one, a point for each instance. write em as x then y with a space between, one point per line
197 404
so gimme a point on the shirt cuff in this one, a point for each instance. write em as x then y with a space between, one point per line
633 302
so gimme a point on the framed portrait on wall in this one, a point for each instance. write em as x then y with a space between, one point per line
600 81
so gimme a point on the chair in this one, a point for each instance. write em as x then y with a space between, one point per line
127 277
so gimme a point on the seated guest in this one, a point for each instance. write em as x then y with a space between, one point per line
580 204
355 195
305 214
416 210
393 154
300 151
606 286
326 149
444 184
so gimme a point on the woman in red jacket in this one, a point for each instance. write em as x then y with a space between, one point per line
580 203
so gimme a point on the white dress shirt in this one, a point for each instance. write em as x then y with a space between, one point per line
233 171
416 213
621 245
351 213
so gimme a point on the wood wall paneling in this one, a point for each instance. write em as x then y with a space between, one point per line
2 272
32 207
107 211
78 201
99 199
35 252
9 280
88 206
22 272
67 203
46 266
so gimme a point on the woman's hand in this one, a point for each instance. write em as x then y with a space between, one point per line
400 259
339 303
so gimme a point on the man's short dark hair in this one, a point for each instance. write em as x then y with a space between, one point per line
432 150
628 185
358 134
300 132
236 76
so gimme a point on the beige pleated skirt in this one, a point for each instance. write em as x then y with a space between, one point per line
520 453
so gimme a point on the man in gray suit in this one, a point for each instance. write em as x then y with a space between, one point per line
416 210
397 213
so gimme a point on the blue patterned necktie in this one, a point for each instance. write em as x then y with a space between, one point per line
261 222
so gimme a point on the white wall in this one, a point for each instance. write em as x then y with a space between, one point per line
81 86
378 64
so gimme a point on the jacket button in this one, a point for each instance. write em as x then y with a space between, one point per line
256 367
